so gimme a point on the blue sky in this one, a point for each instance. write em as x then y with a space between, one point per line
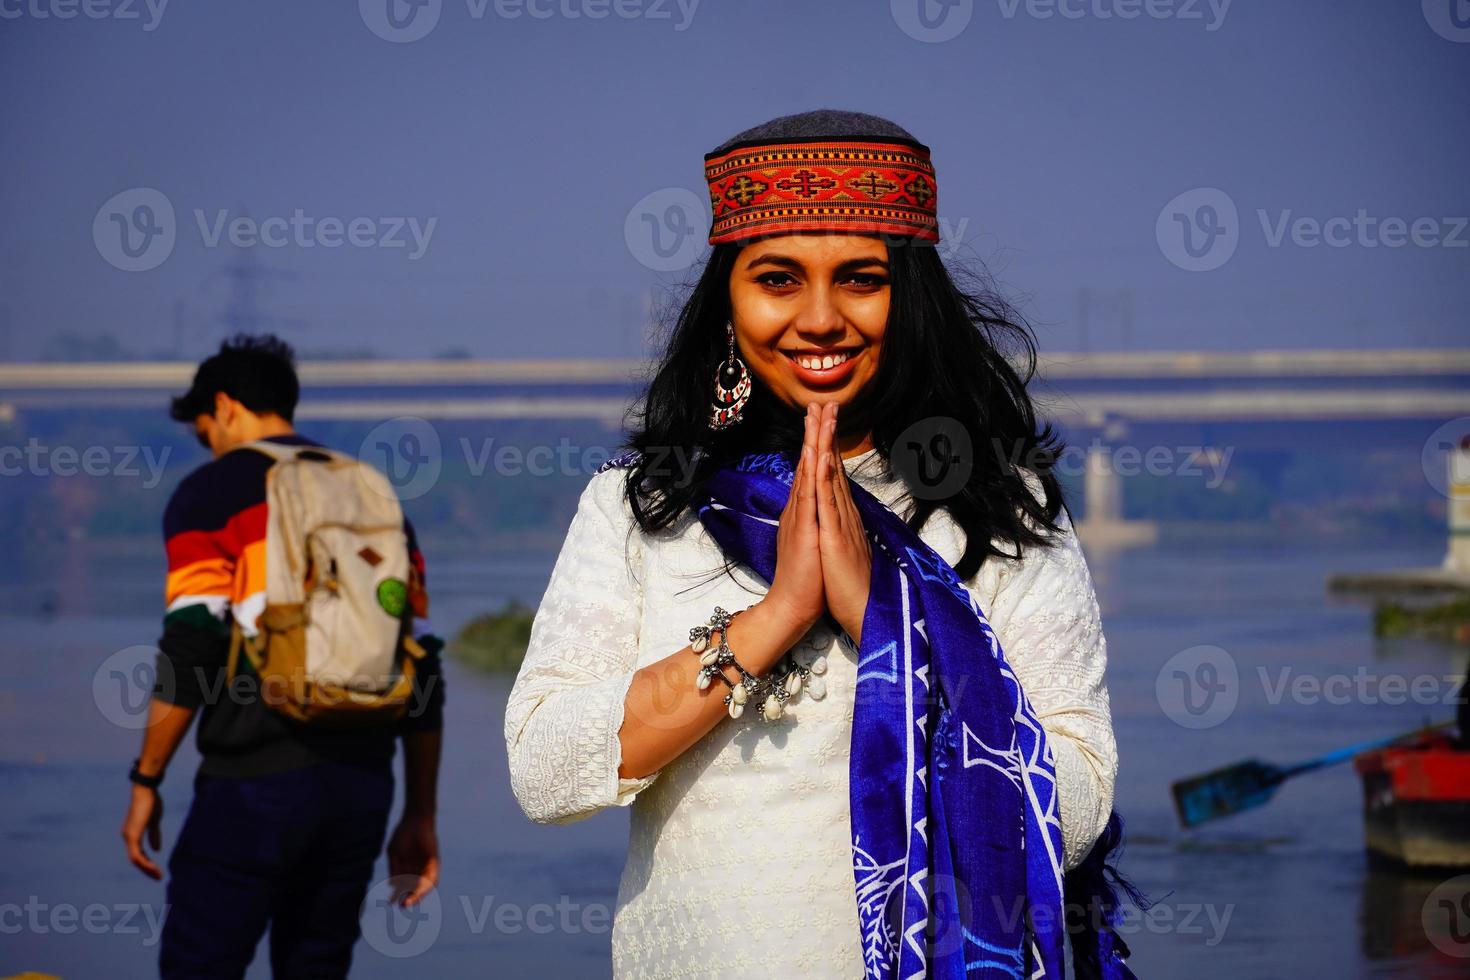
493 174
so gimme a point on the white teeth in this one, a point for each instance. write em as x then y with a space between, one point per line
825 362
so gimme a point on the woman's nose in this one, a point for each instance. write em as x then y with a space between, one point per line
818 317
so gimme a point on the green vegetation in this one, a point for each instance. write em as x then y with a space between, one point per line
1448 621
495 641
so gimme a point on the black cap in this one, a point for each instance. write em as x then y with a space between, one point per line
257 371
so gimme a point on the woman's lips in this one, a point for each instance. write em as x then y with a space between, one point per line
823 377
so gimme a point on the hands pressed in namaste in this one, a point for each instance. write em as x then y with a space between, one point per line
823 559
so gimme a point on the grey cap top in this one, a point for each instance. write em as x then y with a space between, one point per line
817 124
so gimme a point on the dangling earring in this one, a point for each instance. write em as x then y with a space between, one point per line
732 387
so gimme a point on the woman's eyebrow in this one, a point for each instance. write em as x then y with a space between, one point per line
852 265
772 258
787 262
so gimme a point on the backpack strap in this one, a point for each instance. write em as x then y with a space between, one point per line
281 453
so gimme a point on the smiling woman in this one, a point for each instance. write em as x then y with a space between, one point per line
813 310
885 760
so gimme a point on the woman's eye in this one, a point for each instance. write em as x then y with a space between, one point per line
777 279
866 280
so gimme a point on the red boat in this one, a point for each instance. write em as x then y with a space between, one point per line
1416 802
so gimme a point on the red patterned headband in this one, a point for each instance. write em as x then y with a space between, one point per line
852 185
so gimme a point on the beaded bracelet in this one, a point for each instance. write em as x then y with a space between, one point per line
767 694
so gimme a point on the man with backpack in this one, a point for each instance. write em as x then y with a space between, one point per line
293 585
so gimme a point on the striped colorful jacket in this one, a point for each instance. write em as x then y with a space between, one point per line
214 533
214 530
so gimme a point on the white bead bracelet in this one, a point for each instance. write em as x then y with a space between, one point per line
767 694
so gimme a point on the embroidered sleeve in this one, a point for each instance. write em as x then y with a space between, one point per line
565 709
1045 613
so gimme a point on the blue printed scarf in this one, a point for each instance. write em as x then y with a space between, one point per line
956 838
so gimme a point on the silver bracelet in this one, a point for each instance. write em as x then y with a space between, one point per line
767 694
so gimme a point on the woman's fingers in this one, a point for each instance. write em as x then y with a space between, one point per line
826 516
794 497
845 504
841 490
848 517
807 501
830 466
820 491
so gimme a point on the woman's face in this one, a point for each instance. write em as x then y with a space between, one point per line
809 314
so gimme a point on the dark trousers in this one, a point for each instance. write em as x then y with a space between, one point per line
292 850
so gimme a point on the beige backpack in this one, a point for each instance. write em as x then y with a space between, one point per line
333 645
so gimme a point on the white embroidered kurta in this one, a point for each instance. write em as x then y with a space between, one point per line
739 852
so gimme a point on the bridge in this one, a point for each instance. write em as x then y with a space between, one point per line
1272 398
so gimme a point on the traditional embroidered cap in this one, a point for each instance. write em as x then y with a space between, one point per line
825 170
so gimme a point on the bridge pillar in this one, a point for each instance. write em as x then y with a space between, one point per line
1457 559
1103 524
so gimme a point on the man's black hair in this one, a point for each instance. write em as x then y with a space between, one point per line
257 371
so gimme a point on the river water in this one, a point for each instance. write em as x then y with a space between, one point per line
1283 891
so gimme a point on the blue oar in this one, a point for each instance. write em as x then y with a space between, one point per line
1249 784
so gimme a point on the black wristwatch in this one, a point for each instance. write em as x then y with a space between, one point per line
152 782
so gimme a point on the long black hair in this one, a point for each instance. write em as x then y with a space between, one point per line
949 353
